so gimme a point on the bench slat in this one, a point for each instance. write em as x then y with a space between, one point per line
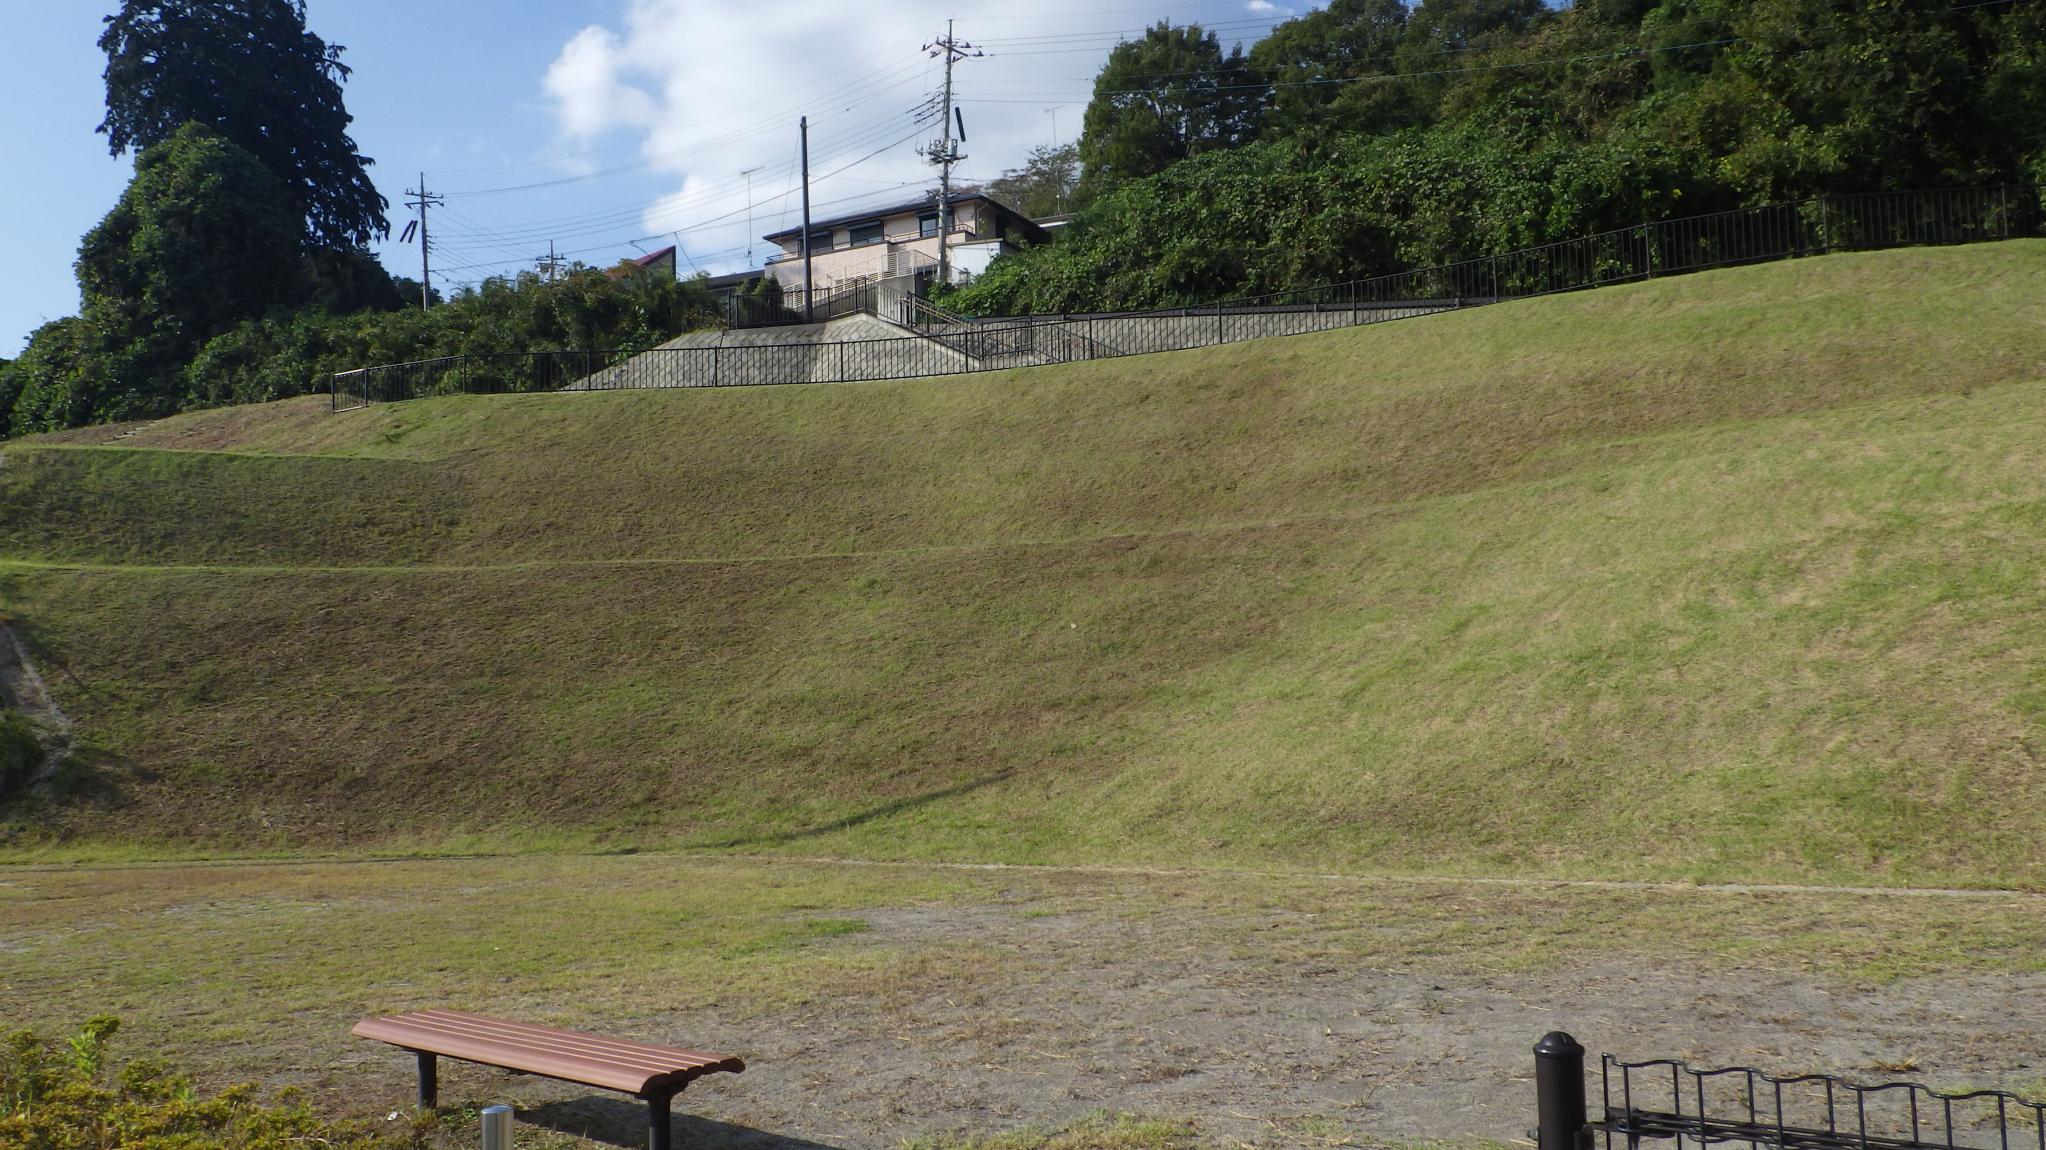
570 1055
454 1024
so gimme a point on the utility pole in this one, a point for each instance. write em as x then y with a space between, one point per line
549 263
748 173
805 128
945 151
423 200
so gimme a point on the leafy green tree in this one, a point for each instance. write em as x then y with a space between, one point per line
1044 185
1336 70
203 238
250 70
1166 96
72 374
1448 26
10 390
1832 95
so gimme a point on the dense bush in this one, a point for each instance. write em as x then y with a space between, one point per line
62 1096
1391 137
75 371
293 354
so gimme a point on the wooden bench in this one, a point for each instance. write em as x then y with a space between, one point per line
654 1073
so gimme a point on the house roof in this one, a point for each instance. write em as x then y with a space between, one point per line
731 280
653 259
919 204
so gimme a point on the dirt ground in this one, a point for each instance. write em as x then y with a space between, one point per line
1090 1015
1282 1013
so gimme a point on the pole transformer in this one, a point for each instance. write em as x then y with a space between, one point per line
422 199
944 151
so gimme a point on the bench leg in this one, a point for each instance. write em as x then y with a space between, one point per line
660 1136
429 1080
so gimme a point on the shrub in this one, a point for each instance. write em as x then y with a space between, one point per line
61 1096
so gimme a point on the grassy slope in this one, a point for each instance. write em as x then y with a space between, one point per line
1733 575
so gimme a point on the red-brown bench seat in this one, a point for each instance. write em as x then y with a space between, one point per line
654 1073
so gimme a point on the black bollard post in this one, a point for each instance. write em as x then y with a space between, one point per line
1559 1093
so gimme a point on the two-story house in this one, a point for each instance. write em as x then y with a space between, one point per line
900 240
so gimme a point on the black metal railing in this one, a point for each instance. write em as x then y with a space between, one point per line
1667 1099
938 343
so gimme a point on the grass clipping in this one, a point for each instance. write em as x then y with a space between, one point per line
62 1096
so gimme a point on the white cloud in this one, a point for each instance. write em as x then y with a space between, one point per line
584 87
711 88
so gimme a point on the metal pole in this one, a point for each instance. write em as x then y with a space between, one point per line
497 1132
1559 1093
805 128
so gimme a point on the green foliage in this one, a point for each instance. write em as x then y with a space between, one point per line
10 390
1044 185
1164 97
60 1097
203 238
293 354
252 71
20 753
72 374
1254 219
767 290
1395 136
1333 66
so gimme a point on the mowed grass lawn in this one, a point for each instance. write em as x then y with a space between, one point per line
1729 577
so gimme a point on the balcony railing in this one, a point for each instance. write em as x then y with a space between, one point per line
898 238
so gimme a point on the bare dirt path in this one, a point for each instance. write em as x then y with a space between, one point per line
23 689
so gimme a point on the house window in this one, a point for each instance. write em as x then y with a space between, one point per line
872 233
819 242
927 225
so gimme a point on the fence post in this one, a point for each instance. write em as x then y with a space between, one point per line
497 1122
1559 1093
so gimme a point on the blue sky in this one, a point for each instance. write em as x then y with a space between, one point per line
605 126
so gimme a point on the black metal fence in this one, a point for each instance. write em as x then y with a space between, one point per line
945 345
1669 1100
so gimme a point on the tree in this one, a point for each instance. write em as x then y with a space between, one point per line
250 70
1451 26
1334 69
1832 96
1167 96
1044 185
203 238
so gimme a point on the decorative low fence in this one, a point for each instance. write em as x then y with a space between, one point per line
946 345
1668 1100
